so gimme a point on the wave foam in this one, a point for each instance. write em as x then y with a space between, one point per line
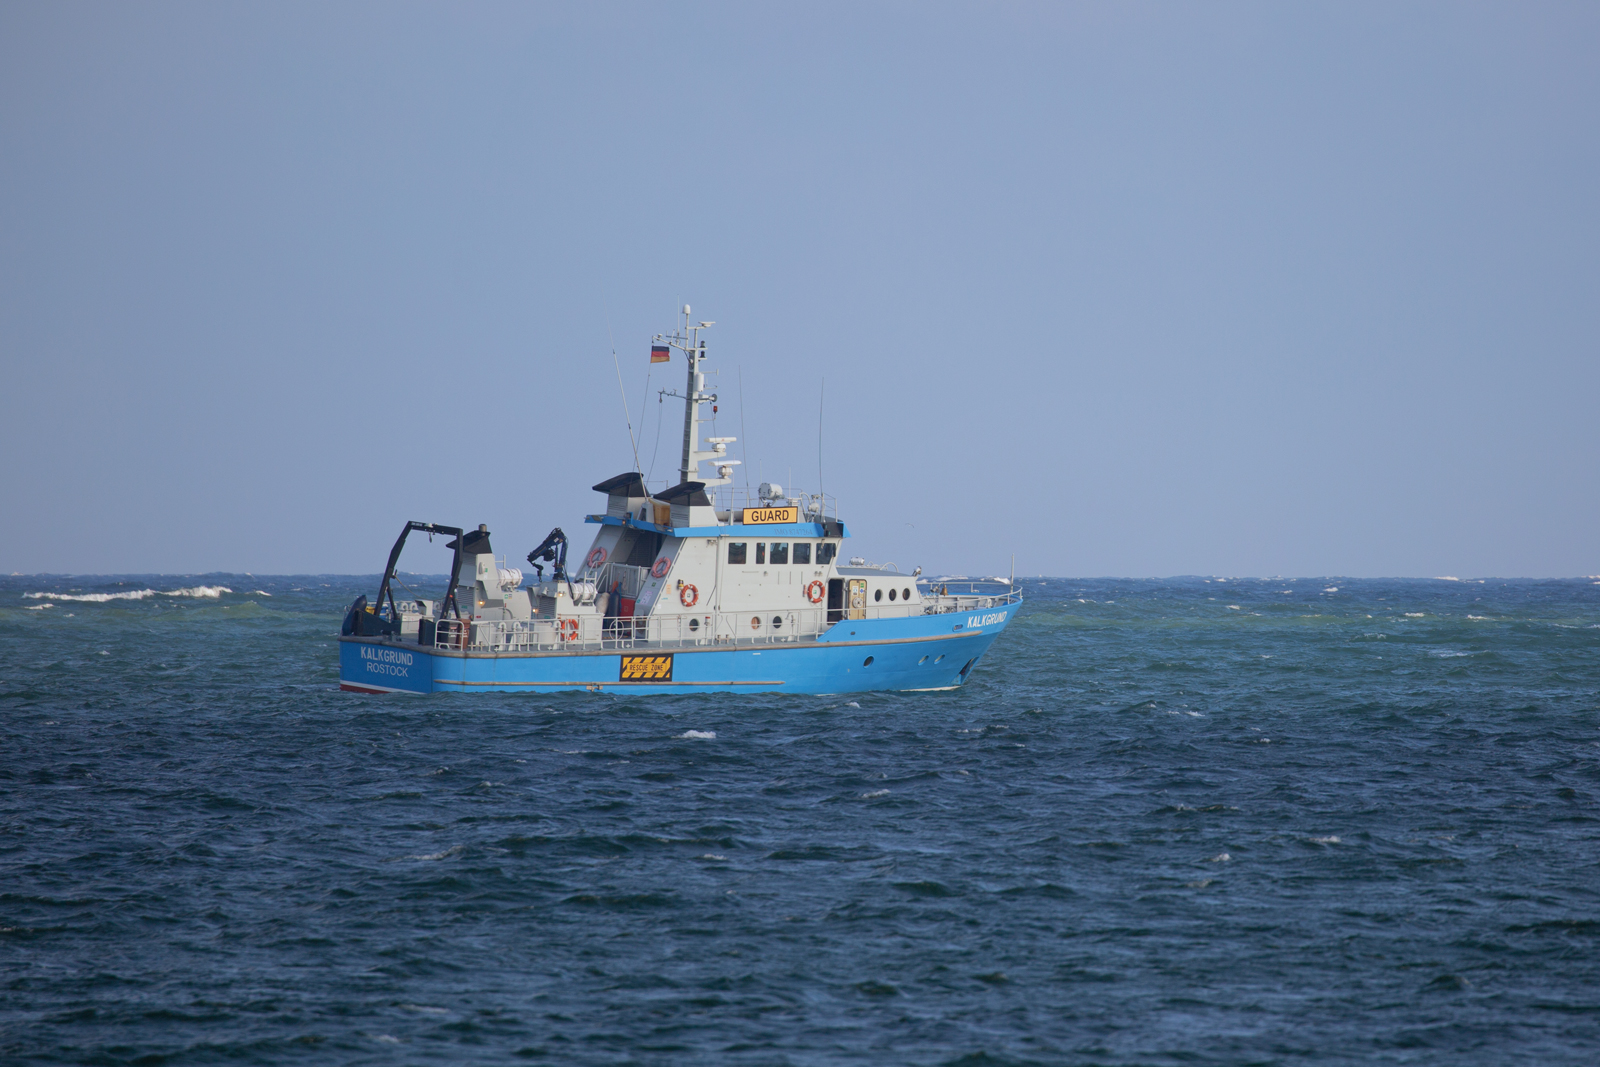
698 735
211 591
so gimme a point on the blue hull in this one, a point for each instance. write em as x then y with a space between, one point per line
922 652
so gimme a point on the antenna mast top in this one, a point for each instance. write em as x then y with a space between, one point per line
688 341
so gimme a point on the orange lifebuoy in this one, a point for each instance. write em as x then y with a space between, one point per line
815 592
597 556
688 596
663 565
755 622
569 629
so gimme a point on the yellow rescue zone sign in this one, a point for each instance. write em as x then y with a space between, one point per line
646 669
763 516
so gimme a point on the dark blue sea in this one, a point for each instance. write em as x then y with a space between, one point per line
1167 822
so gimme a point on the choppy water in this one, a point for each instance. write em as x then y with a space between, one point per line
1166 822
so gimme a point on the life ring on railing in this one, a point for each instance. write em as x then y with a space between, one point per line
815 592
663 565
688 596
755 622
568 629
597 556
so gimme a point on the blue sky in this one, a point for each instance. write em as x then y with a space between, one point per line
1122 289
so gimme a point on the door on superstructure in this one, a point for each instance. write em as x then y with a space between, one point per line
835 599
858 598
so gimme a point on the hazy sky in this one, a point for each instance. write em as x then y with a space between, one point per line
1123 289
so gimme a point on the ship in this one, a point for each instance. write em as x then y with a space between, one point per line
695 587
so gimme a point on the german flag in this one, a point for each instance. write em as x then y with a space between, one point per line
660 354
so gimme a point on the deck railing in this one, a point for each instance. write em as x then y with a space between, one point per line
579 633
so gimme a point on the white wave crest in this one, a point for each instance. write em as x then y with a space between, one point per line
875 793
133 594
40 607
93 598
698 735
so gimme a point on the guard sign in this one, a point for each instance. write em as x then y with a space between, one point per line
646 669
764 516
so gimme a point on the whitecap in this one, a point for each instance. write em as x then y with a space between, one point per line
1331 589
875 793
262 592
210 591
94 598
697 735
454 850
1330 840
1446 578
1233 607
1416 614
851 704
1484 618
1220 857
40 607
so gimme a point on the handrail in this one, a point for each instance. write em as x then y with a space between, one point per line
736 629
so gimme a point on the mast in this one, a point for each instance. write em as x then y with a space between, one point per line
688 341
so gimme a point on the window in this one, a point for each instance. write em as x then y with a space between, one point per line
905 594
761 553
777 622
868 661
736 552
802 551
780 552
877 595
891 594
825 552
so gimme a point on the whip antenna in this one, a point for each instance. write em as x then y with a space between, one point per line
627 417
821 395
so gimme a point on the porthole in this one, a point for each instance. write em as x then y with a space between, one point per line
905 594
694 624
777 622
867 662
939 660
921 661
891 594
878 595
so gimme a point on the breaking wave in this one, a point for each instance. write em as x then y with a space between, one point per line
133 594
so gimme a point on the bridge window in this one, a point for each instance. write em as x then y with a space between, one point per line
761 553
780 552
877 595
905 594
802 551
736 552
825 552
